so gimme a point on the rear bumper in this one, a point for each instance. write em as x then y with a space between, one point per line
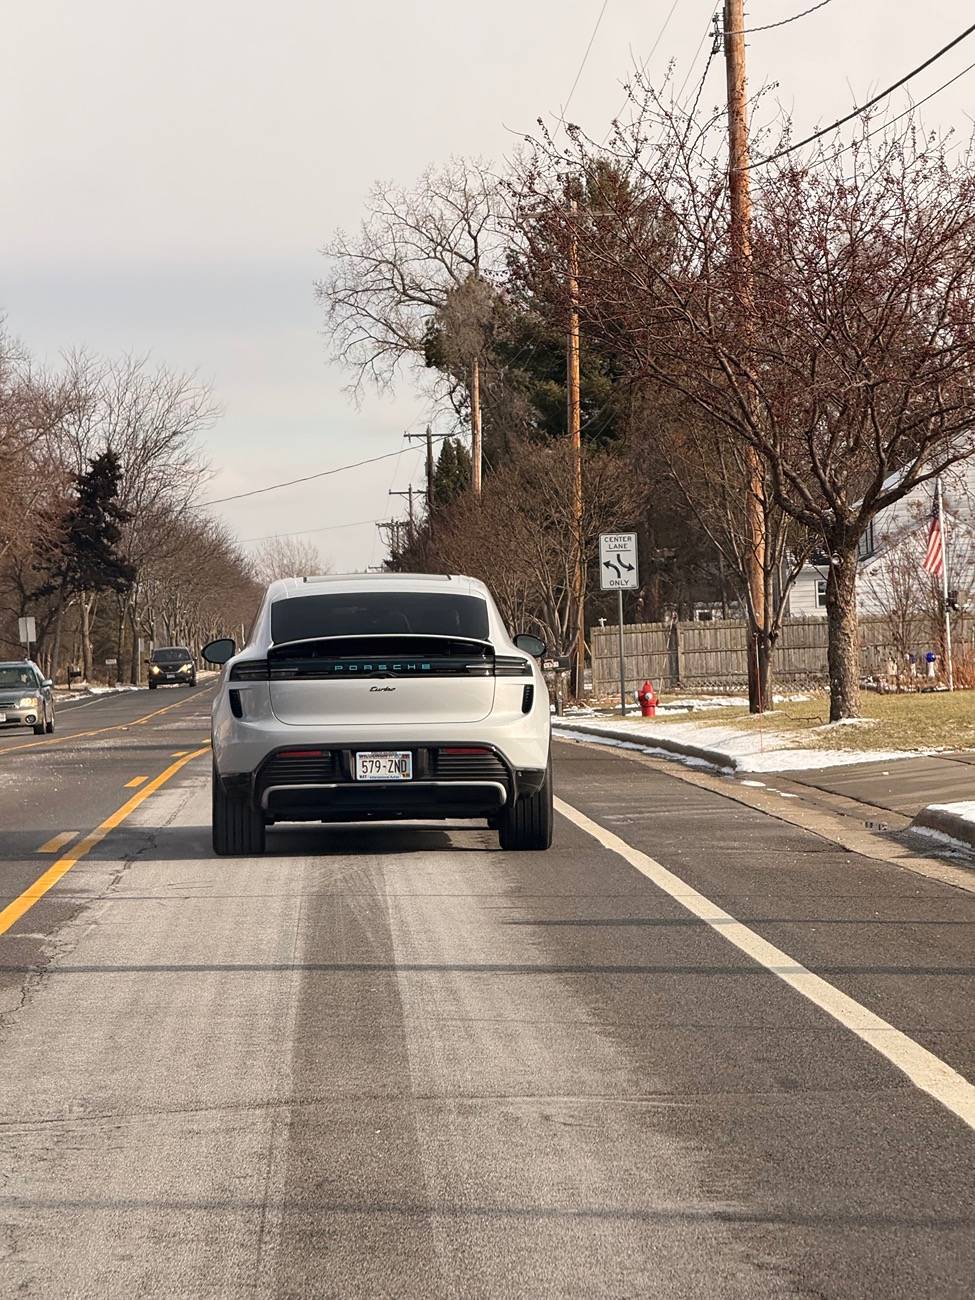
322 788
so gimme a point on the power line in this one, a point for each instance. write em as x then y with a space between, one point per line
646 60
307 478
708 31
817 135
304 532
747 31
906 113
585 60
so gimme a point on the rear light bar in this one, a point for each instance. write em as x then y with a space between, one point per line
249 670
465 749
258 670
300 753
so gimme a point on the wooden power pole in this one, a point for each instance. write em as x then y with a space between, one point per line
429 468
575 443
476 451
741 251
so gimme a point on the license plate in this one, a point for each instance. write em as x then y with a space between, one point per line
384 765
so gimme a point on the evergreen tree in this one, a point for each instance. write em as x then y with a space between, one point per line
85 556
452 475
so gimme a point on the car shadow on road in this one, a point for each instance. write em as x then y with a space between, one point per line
192 843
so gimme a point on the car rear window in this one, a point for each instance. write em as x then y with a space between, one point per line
379 613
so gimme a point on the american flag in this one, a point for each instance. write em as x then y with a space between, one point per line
934 556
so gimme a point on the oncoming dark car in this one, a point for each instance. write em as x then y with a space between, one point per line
174 664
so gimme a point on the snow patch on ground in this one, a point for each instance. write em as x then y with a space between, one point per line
751 751
965 809
611 743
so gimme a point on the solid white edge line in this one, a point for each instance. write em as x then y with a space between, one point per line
925 1070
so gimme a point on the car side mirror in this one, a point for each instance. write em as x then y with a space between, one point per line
46 684
532 645
219 651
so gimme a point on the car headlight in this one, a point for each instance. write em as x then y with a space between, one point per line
154 668
186 668
28 702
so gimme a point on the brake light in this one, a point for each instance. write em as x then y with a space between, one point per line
466 749
299 753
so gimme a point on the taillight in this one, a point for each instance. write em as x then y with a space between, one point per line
465 749
249 670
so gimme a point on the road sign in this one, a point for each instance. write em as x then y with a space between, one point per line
618 566
27 630
109 663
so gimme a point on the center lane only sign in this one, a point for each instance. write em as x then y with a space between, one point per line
618 567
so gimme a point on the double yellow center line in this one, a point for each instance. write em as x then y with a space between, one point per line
12 913
68 737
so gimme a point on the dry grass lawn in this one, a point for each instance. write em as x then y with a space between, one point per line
936 721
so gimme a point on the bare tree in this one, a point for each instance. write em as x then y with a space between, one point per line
854 384
520 538
414 247
285 557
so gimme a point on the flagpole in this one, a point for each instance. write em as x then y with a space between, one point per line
944 585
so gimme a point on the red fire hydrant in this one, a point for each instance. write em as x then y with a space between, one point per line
648 701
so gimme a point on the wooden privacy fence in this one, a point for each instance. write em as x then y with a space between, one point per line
695 656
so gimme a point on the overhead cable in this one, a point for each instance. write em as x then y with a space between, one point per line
817 135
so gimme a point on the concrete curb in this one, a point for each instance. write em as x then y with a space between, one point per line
714 757
945 823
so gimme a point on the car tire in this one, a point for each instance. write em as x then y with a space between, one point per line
49 726
238 829
38 728
527 823
152 686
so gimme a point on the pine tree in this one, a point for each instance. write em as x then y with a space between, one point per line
85 558
452 474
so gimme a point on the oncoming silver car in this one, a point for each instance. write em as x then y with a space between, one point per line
380 697
26 697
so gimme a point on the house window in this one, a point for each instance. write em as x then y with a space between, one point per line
865 546
821 594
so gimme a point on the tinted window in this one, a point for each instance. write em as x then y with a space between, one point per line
379 613
176 655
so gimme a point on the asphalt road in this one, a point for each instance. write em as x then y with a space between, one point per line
398 1062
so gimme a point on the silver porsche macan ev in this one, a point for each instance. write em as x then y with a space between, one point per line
378 697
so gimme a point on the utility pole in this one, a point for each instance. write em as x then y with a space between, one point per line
412 525
945 597
575 443
429 489
741 252
476 452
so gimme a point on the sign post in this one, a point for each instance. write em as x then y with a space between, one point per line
27 630
619 571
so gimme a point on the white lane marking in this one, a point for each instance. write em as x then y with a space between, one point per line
759 784
925 1070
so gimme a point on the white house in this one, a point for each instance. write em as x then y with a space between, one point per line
892 549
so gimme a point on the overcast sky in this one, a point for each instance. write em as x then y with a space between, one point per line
170 172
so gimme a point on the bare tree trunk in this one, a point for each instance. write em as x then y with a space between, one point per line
843 649
56 651
86 657
135 673
119 639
